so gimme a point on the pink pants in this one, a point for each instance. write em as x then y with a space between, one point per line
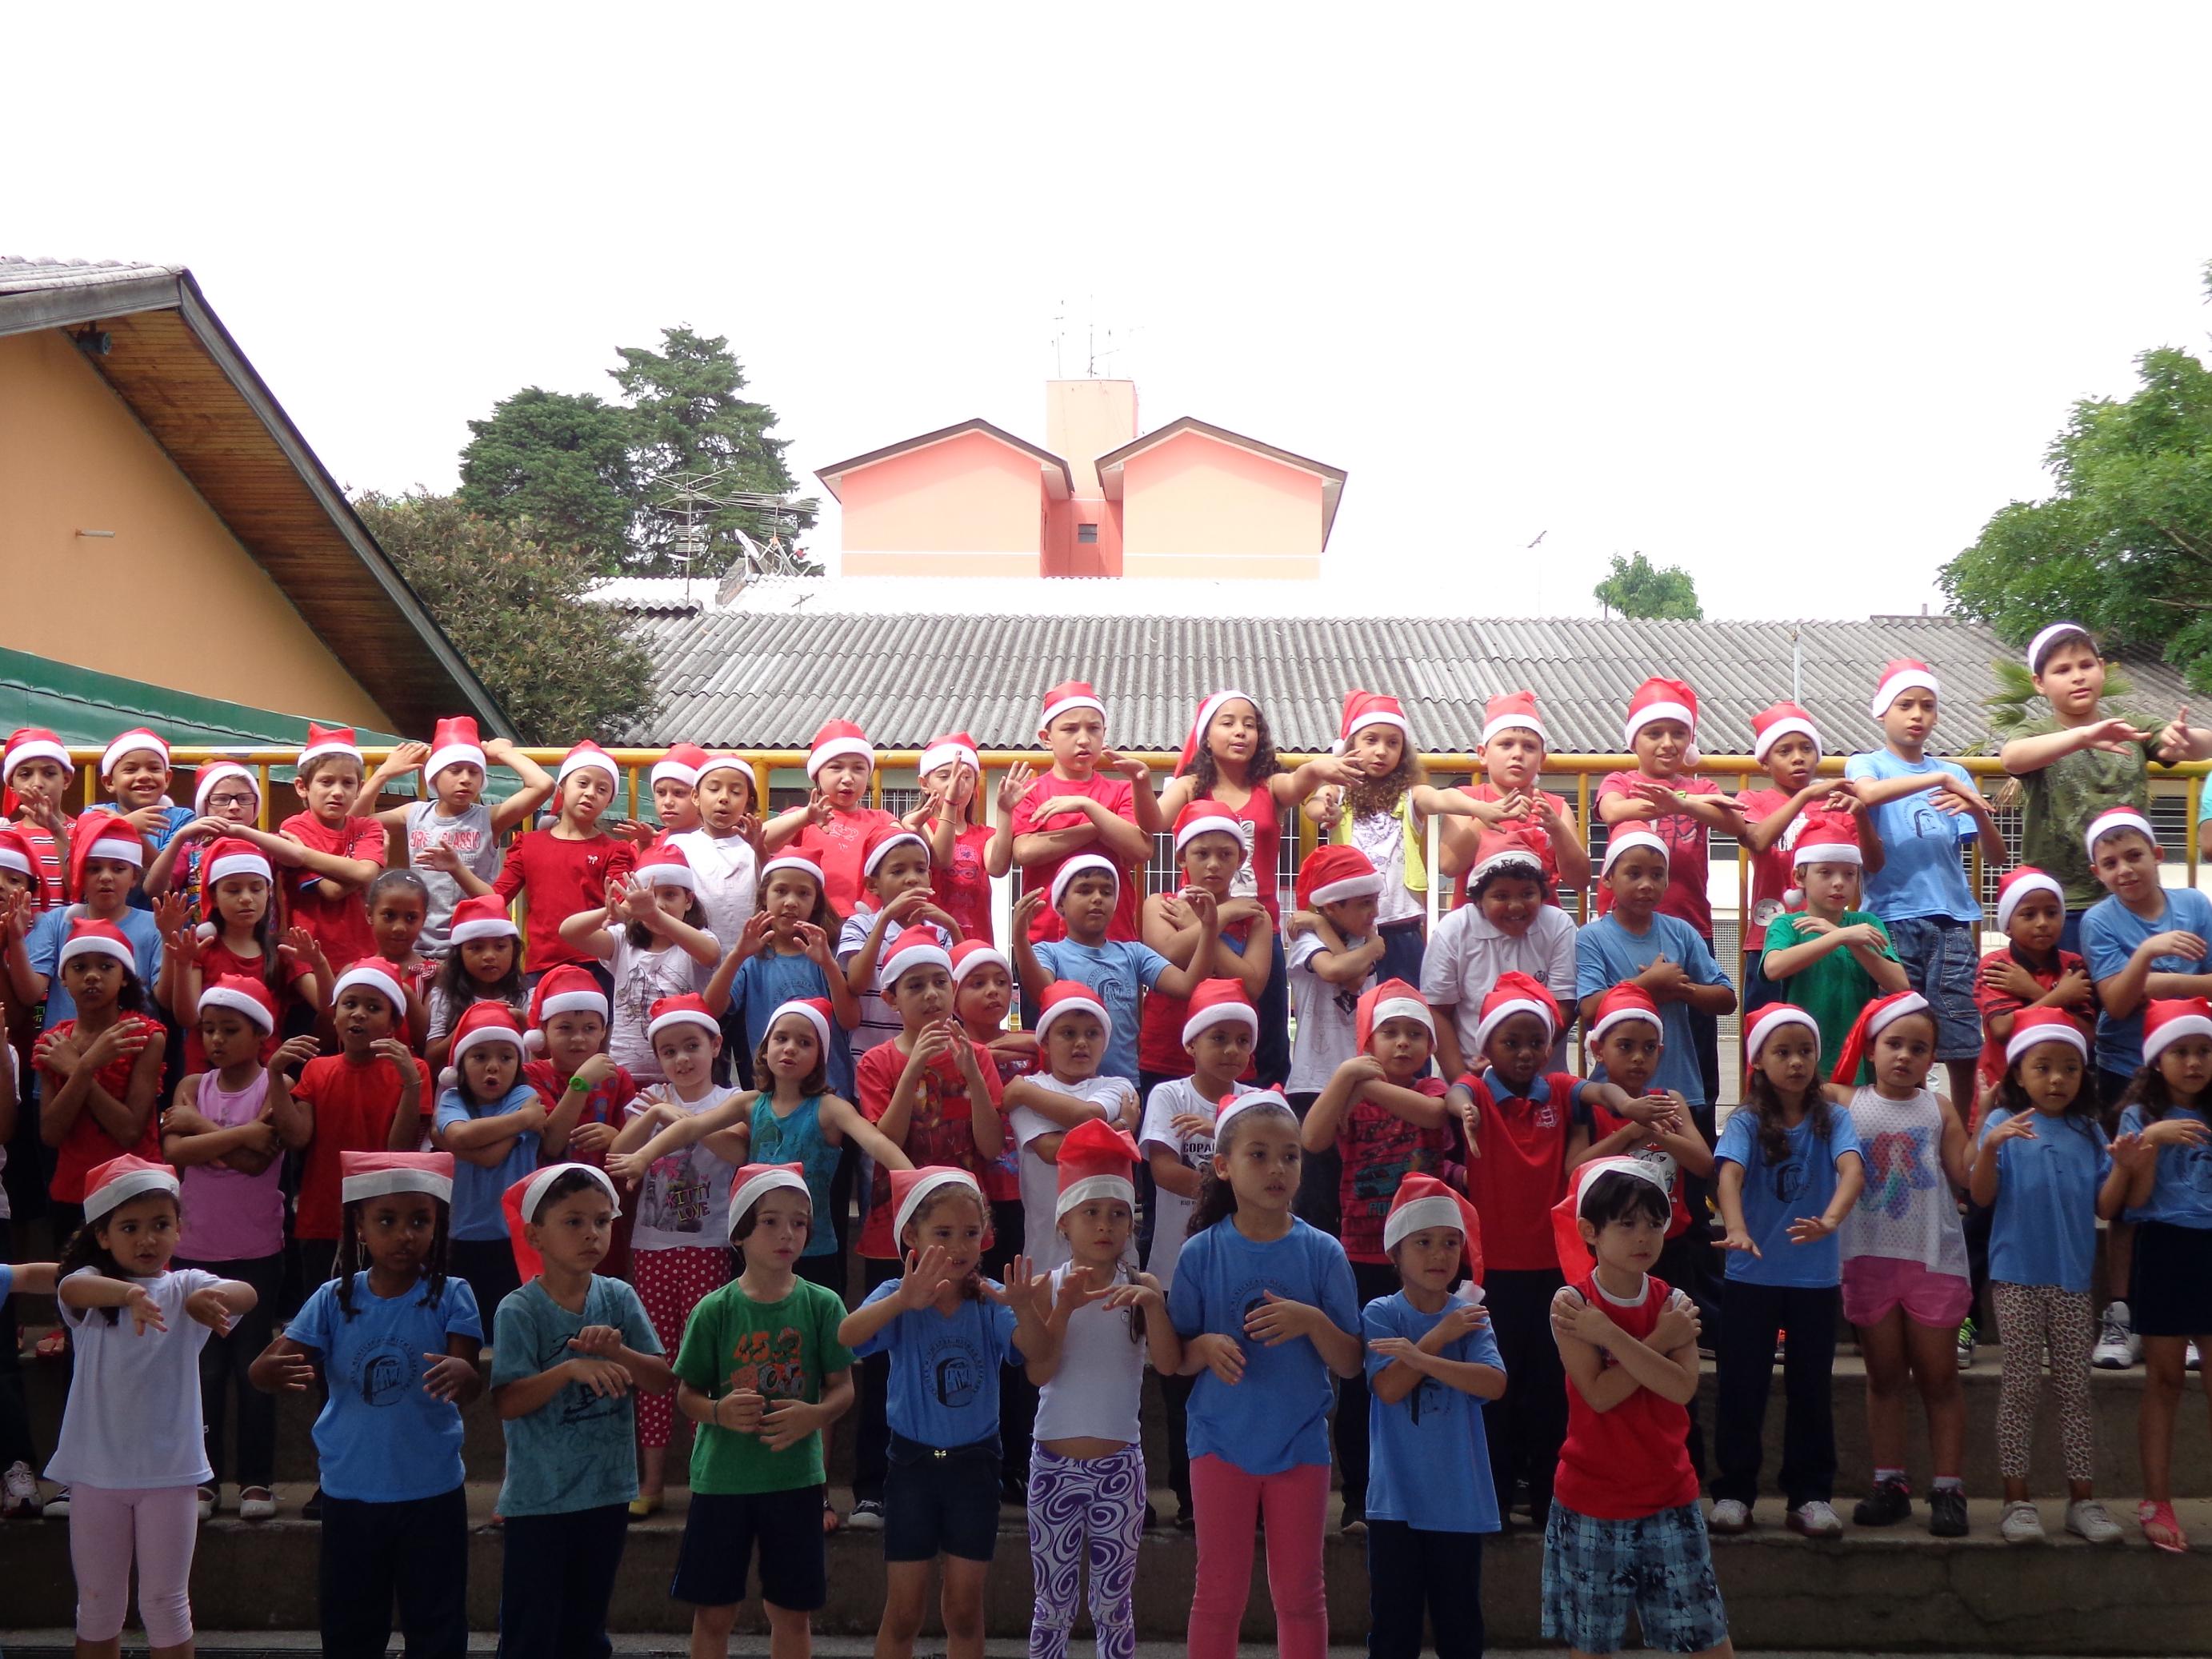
108 1525
1228 1504
671 1283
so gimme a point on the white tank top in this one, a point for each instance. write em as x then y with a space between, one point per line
1094 1393
1908 1212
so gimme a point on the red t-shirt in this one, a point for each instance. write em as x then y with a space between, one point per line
1380 1148
559 877
962 888
353 1106
1537 835
1117 797
1633 1460
1002 1176
1604 1122
1772 873
1990 1068
1159 1030
217 960
1263 843
339 925
1519 1169
839 846
939 1130
87 1146
1687 857
604 1104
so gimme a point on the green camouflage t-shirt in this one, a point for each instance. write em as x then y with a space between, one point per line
2061 798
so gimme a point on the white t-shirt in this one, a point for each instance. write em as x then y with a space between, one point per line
1095 1392
133 1418
683 1202
1908 1212
1381 837
1045 1244
728 876
1178 1097
642 979
1328 1018
1466 955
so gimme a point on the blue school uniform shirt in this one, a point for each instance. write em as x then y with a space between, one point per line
2110 933
1606 953
763 985
1118 970
1921 875
1278 1417
1775 1194
2181 1188
2043 1229
575 1451
380 1438
1428 1455
43 944
477 1191
944 1369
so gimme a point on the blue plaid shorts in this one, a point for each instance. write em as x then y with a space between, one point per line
1660 1565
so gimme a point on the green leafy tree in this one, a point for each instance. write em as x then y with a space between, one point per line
561 462
1639 588
514 605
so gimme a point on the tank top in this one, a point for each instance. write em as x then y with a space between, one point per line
1908 1212
470 836
1490 794
226 1215
798 1139
1263 841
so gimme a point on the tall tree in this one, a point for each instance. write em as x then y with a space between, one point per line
560 461
1639 588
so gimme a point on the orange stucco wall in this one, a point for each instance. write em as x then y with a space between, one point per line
1194 505
172 598
970 496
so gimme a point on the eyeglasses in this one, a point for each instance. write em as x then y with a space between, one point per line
233 800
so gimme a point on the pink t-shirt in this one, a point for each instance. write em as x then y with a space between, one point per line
1687 857
1772 871
226 1215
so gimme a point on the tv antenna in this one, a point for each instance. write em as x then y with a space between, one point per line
690 501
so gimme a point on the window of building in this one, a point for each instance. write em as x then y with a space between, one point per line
1086 533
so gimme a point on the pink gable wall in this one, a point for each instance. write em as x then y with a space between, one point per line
1194 502
969 496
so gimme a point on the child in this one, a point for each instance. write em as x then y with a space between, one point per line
2030 971
565 869
1921 889
1111 820
1086 1485
1209 844
490 1120
1265 1309
586 1095
2043 1167
130 1450
947 1331
787 954
398 901
1790 1172
134 772
1905 1285
36 769
483 963
964 857
1384 1117
1331 966
1509 801
104 857
2165 1152
19 1487
225 795
1626 1528
570 1347
1784 740
653 934
100 1069
228 1131
237 938
896 870
395 1340
1509 920
1073 1030
1431 1361
1830 957
983 991
675 783
722 851
763 1374
329 855
832 830
678 1247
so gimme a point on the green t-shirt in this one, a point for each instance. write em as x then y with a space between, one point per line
780 1350
1835 988
2058 802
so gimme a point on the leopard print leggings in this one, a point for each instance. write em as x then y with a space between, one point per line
2032 1319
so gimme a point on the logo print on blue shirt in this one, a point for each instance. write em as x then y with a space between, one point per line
953 1376
387 1371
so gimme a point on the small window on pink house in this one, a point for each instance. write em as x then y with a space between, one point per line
1086 533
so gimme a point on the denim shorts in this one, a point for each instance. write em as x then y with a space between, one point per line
1941 959
1660 1565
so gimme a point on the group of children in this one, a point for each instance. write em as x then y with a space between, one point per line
1400 1236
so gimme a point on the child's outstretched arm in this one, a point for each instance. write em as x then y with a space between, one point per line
1319 1131
1034 977
686 1130
537 785
593 931
843 1118
35 1278
999 854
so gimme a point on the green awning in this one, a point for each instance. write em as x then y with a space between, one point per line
84 708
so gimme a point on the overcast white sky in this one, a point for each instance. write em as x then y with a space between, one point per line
1792 296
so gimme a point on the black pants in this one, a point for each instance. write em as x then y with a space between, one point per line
1753 1315
556 1576
487 1266
417 1551
872 1439
1017 1396
1410 1571
1320 1202
1680 1264
1175 1391
16 1444
1369 1280
223 1362
827 1271
1526 1426
1271 1054
1979 1219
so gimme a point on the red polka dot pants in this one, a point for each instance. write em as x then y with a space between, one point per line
670 1282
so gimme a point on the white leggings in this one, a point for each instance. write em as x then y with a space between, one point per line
108 1525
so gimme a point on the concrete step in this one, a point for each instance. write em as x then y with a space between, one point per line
1877 1591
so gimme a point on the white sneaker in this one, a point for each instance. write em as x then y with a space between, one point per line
2117 1344
1815 1520
2192 1360
19 1491
2021 1524
1730 1516
57 1506
2087 1518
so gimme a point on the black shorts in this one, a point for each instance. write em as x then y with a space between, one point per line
2170 1291
939 1502
718 1539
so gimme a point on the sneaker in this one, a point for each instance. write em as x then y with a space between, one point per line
210 1500
57 1506
1965 1344
1186 1519
1946 1513
2088 1519
2191 1360
867 1515
19 1492
2117 1344
2021 1525
1728 1516
1814 1520
313 1508
1889 1503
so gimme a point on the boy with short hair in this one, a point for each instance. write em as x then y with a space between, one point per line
1509 797
134 773
1784 740
1072 811
895 870
333 854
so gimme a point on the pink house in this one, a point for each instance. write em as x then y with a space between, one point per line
1189 499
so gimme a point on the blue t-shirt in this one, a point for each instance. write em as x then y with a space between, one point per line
1775 1194
382 1439
173 818
1118 970
43 943
1606 953
2044 1230
1429 1458
763 985
944 1369
2110 933
1278 1417
1922 874
575 1451
2181 1190
6 1280
477 1190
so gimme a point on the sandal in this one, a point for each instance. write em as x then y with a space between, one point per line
54 1344
830 1519
2159 1526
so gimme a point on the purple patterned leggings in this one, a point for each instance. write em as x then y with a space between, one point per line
1074 1502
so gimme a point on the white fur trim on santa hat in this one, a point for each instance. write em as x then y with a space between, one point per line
2120 818
12 860
2025 1037
594 760
123 849
131 743
315 751
1075 1006
1605 1023
1896 685
666 872
2046 638
1075 866
489 927
1507 858
944 754
1350 887
1212 824
1657 711
133 1183
1606 1166
1053 711
533 1195
1771 1018
476 1036
680 1017
2012 897
820 757
1077 1193
1405 1008
1505 1010
742 1199
1221 1014
384 984
1911 1003
792 861
1620 843
1516 721
988 957
812 1016
884 848
239 864
96 945
920 1194
2182 1025
453 754
37 749
210 776
914 956
1245 1102
1787 725
1826 851
239 1002
383 1183
1406 1219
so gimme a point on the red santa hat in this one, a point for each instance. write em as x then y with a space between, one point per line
372 974
88 937
364 1175
1207 817
2118 818
1620 843
1219 1002
1096 1161
116 1182
328 740
2018 883
689 1009
883 840
453 742
1514 992
1662 699
945 750
794 861
567 989
1771 1018
2169 1019
1332 874
1423 1203
2048 638
483 917
755 1182
1067 996
917 947
1566 1235
1206 710
1903 675
1229 1105
521 1202
481 1024
15 854
680 764
971 954
1624 1004
1068 695
228 856
911 1188
29 743
243 994
588 757
815 1011
1394 999
101 833
665 866
1874 1019
1364 708
218 772
1770 726
2033 1025
1822 838
836 738
1512 711
1075 866
131 743
1519 848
